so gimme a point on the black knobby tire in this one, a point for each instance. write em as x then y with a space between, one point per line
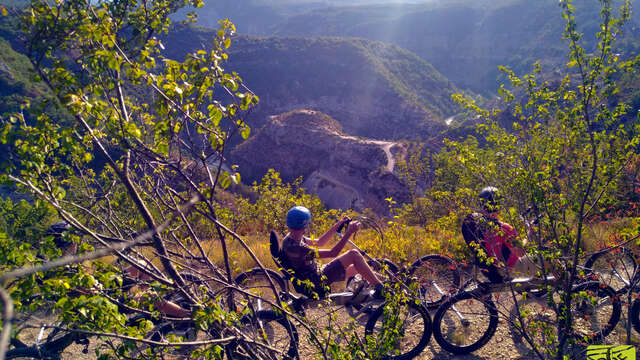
635 315
415 332
438 277
595 317
51 349
266 327
614 267
459 336
255 282
30 352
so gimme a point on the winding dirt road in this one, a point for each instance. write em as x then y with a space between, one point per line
384 145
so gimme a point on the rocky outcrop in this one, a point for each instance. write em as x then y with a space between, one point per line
6 71
344 171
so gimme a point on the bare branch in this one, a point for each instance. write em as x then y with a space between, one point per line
66 260
7 321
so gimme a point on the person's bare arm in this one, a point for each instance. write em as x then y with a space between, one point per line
333 252
328 235
512 240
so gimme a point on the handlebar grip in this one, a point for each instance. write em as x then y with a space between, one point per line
343 225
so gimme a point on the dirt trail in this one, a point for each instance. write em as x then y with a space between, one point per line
506 344
503 346
384 145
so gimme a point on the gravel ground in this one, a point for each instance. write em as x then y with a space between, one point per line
505 344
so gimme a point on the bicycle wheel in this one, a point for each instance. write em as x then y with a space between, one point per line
465 322
596 310
438 277
196 286
267 335
404 331
635 315
56 342
614 267
256 283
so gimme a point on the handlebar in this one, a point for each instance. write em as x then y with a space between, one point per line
342 226
371 223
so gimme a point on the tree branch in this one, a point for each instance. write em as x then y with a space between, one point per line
7 321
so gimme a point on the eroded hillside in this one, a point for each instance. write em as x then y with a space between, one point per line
344 171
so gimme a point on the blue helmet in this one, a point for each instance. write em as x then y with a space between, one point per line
298 217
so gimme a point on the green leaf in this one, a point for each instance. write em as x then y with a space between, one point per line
215 114
59 193
225 180
62 303
246 131
134 130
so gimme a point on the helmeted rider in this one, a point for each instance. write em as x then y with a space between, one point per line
301 252
492 240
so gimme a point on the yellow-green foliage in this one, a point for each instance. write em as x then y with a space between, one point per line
610 233
400 238
274 198
397 239
404 244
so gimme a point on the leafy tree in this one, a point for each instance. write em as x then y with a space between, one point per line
275 198
138 166
137 174
569 144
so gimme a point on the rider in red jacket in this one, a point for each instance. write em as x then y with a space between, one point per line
485 231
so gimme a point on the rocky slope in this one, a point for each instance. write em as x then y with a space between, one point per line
344 171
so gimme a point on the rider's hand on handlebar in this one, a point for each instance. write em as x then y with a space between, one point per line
353 227
342 224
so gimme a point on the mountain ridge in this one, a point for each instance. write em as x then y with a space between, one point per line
373 89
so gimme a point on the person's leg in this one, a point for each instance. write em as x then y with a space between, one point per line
350 271
172 309
166 307
353 258
525 266
528 265
493 273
